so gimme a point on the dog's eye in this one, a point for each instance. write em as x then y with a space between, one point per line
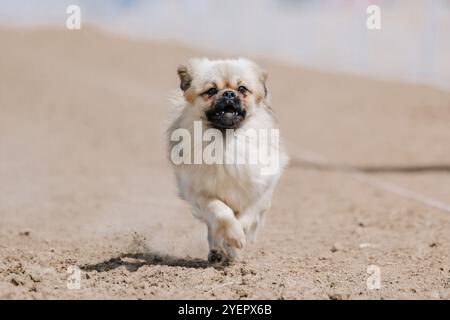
211 92
242 89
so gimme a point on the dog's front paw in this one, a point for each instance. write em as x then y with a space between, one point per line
233 254
216 256
234 235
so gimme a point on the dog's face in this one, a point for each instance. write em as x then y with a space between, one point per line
224 93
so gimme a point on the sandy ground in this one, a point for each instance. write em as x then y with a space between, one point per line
84 181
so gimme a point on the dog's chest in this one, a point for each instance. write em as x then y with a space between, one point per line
237 185
238 180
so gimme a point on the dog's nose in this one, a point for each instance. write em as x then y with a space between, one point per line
229 95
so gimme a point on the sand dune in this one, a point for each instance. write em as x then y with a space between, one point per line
84 180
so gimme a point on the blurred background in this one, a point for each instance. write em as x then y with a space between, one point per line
412 45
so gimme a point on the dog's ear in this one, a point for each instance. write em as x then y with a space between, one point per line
260 73
263 78
185 77
264 75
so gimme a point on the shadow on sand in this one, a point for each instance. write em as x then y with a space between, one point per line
431 168
134 261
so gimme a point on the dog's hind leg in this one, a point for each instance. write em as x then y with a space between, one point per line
251 223
253 218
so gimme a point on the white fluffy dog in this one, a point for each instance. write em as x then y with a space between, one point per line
228 97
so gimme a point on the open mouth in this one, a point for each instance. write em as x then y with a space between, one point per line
228 111
228 117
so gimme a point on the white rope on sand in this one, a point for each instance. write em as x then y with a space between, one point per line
386 186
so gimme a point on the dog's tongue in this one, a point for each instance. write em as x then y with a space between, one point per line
229 115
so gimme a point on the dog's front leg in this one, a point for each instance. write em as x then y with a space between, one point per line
224 230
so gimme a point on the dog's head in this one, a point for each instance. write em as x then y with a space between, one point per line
223 92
